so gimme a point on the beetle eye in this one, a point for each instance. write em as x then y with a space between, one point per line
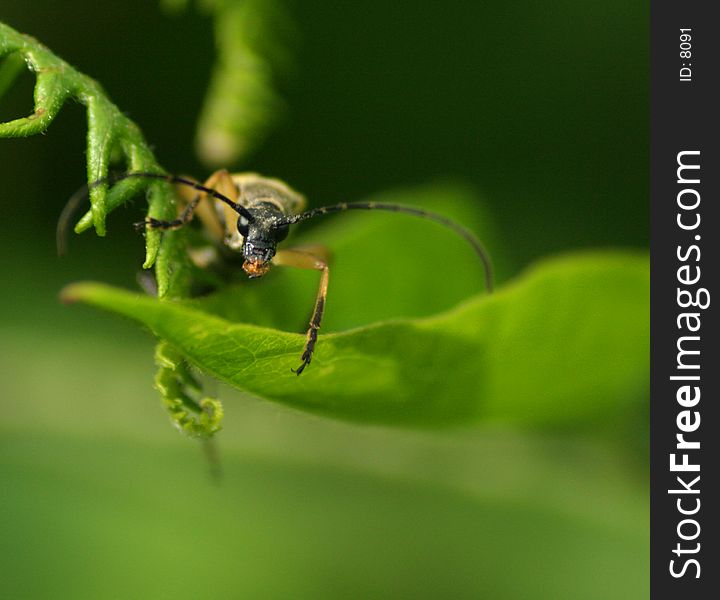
242 226
281 233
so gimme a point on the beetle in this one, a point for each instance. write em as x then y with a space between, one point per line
251 214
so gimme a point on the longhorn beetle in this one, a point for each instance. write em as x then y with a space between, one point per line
251 214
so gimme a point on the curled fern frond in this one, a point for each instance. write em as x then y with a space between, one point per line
194 418
110 133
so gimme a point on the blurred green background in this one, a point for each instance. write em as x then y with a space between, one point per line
541 108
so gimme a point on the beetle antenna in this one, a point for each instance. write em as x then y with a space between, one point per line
75 200
463 232
238 208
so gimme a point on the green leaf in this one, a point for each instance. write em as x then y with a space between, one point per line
564 344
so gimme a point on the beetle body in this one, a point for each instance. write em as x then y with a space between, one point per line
269 201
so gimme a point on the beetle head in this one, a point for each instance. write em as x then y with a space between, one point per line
260 238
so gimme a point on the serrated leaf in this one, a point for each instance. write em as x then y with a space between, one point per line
564 343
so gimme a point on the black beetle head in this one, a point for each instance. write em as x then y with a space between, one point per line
260 238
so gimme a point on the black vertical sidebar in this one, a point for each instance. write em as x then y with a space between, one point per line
685 260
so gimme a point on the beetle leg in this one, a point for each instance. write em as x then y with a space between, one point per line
307 258
184 218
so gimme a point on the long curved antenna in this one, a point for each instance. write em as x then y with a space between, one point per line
463 232
238 208
75 200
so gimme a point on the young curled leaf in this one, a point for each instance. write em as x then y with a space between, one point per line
194 418
50 94
241 103
110 133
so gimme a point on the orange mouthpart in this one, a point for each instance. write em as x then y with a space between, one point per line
256 268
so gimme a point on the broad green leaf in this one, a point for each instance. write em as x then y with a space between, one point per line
564 344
